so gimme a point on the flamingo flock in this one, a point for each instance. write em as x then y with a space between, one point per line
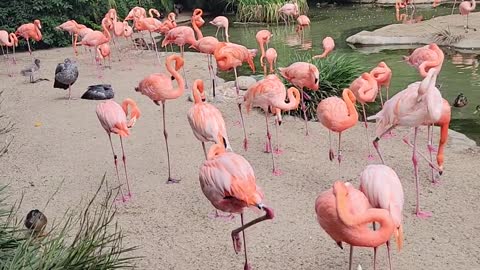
226 178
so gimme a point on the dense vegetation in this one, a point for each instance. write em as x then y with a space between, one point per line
262 10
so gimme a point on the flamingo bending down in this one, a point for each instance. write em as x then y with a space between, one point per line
263 38
465 8
383 188
383 75
271 55
8 40
337 115
30 30
229 56
158 87
420 102
221 22
113 119
267 93
303 21
228 182
328 46
288 10
104 52
206 120
71 27
344 213
302 74
425 58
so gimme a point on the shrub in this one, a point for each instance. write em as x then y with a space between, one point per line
262 10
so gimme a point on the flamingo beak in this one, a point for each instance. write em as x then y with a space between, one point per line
172 78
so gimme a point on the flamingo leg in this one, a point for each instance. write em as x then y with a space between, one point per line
211 73
375 142
204 149
70 93
216 33
275 171
268 142
430 151
183 68
381 98
29 50
331 155
245 142
389 255
419 213
432 165
124 159
165 134
339 155
370 156
453 8
246 266
374 250
155 47
277 150
116 166
350 259
304 109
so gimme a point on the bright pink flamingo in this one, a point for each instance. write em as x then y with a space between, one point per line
365 89
328 46
383 75
302 74
30 30
205 119
113 118
128 32
344 213
96 38
337 114
8 40
81 33
465 8
263 38
207 45
228 182
136 13
267 93
150 25
104 52
303 21
71 27
158 87
230 56
383 188
271 55
425 58
420 102
221 22
288 10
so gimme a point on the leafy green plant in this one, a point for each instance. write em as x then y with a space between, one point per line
262 10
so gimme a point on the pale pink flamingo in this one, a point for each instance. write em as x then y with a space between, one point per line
205 119
302 74
128 32
365 89
328 46
383 75
228 182
271 55
303 21
82 33
8 40
230 56
150 25
71 27
104 52
135 13
117 27
383 189
263 38
221 22
288 10
420 102
465 8
30 31
158 87
267 93
337 115
345 213
425 58
207 45
113 118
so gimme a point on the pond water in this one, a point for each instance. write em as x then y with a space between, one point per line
459 72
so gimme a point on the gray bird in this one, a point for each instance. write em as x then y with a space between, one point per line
31 70
66 75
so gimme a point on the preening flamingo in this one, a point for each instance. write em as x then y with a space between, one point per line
383 189
271 55
337 114
8 40
136 13
158 87
303 21
383 75
71 27
271 93
344 213
263 38
420 102
425 58
302 74
328 46
205 119
465 8
30 30
96 38
113 119
289 10
104 52
228 181
221 22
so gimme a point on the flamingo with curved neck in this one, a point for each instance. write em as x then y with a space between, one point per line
135 113
263 38
425 58
158 87
8 40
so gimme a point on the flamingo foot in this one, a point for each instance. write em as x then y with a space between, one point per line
331 155
245 144
389 135
370 157
267 149
236 123
217 215
237 243
278 151
173 181
122 199
432 149
277 172
247 267
423 214
436 182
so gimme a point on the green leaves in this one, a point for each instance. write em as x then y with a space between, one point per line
263 10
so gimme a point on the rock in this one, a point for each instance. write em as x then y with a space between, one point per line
244 82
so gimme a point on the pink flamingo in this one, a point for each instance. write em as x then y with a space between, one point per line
263 38
81 33
71 27
158 87
150 25
8 40
205 119
383 188
96 38
113 118
231 55
425 58
383 75
267 93
328 46
303 21
338 115
221 22
168 23
228 182
365 89
344 213
271 55
128 32
302 74
104 52
136 13
207 45
420 102
288 10
30 30
465 8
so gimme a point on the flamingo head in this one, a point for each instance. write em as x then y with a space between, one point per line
38 24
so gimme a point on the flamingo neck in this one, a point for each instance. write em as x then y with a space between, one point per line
105 31
293 98
349 100
197 30
180 82
473 5
216 150
197 99
134 111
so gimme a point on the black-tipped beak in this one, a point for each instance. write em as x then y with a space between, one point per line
172 78
137 90
316 80
203 99
339 244
440 172
280 123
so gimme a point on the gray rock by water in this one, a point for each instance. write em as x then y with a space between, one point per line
244 82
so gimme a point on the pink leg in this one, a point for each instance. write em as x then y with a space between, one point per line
375 142
116 167
277 150
165 134
304 109
155 47
124 159
275 171
339 150
431 150
419 213
211 73
245 142
183 68
331 155
369 156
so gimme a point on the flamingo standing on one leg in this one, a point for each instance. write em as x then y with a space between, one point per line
221 22
113 118
228 182
302 74
337 115
344 213
465 8
9 40
150 25
207 45
271 93
383 75
263 38
420 103
158 87
328 46
71 27
383 188
425 58
30 30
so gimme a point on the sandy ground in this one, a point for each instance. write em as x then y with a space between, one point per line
169 222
